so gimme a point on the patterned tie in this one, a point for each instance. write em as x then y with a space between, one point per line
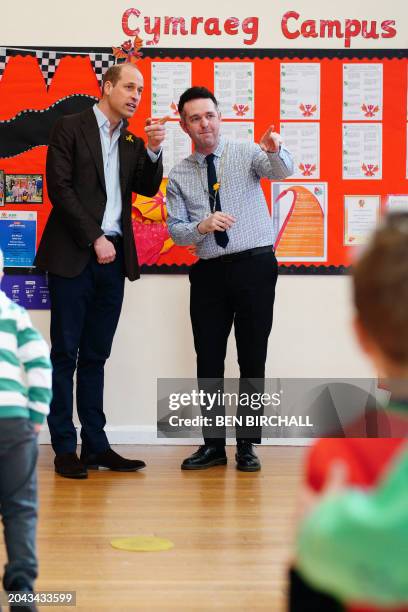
221 238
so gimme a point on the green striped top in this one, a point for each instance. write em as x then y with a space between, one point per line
25 367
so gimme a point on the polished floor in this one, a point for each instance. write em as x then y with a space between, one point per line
232 533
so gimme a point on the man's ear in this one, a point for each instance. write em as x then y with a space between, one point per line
107 88
183 125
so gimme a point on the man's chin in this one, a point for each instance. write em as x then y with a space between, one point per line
129 112
209 146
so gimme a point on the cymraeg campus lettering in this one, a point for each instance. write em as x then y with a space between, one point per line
182 26
292 26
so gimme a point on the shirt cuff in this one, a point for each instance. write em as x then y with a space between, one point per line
153 156
275 153
197 236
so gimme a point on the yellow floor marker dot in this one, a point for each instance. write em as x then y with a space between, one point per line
142 544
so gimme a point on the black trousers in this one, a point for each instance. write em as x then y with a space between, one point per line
239 292
84 315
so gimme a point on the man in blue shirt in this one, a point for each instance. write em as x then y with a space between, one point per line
93 165
215 202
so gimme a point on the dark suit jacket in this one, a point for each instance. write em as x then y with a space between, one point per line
76 187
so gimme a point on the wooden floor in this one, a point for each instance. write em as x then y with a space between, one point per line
232 533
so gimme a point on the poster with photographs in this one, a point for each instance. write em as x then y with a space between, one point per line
1 188
24 189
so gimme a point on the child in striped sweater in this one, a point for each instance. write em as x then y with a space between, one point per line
25 395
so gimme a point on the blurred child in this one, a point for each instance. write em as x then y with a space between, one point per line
25 394
353 545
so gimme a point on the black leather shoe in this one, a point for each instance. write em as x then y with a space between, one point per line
111 460
22 589
69 466
246 458
206 456
24 608
20 608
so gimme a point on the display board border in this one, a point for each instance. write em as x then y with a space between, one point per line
202 53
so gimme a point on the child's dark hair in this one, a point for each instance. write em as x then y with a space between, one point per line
195 93
381 288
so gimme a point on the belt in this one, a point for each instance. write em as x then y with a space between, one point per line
242 254
114 238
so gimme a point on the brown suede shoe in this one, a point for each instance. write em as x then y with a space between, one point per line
112 461
69 466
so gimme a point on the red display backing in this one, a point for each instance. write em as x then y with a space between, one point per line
22 87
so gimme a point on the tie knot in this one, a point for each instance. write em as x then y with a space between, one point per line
209 158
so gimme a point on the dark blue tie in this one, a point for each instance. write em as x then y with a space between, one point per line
221 238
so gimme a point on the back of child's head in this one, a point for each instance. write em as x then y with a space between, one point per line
381 288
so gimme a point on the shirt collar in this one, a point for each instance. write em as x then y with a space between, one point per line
200 157
102 119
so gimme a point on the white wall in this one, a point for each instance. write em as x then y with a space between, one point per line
310 338
99 22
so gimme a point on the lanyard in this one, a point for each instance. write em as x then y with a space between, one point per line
213 196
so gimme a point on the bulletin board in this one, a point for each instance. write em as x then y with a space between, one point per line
342 113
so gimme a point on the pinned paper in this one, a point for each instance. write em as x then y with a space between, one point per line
234 89
299 215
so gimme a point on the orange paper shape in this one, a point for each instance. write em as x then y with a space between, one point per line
302 233
149 226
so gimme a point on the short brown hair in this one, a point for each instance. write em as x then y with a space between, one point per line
381 288
112 74
195 93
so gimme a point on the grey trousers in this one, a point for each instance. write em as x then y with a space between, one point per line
18 501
